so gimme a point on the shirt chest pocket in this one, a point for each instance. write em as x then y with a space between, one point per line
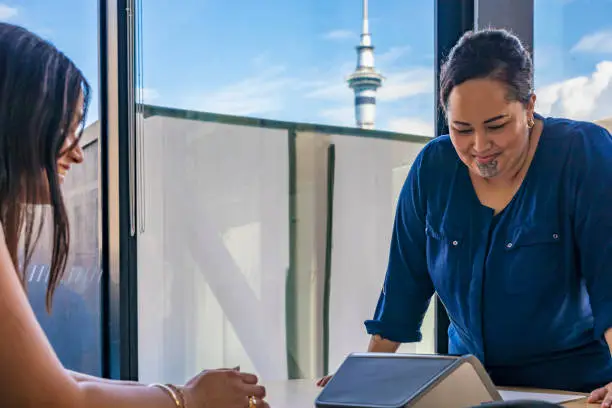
445 256
534 259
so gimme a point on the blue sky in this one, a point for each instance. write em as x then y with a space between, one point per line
288 59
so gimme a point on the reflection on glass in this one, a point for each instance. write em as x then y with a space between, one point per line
214 254
73 327
573 59
243 226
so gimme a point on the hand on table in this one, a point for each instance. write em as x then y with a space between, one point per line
224 388
603 395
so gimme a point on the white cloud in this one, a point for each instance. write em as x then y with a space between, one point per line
413 126
396 86
340 116
336 90
7 12
149 95
405 84
583 97
257 95
391 56
273 92
599 42
340 35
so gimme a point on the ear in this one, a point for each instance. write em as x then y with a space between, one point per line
531 106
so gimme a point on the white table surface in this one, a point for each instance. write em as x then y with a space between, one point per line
292 393
302 394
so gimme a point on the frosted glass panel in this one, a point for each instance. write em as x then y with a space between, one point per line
369 174
214 255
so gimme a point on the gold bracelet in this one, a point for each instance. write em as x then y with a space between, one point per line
178 401
179 394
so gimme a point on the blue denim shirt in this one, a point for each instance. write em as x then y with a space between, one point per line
529 291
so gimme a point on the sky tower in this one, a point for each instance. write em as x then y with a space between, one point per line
365 81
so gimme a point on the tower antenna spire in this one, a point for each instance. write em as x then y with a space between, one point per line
365 81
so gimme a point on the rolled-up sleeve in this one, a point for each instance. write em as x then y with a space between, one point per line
593 219
407 288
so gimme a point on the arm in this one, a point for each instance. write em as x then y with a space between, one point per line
81 378
30 372
608 336
407 288
380 345
592 173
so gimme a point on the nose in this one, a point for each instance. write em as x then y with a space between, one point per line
481 142
76 154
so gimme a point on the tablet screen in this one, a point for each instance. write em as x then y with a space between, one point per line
382 381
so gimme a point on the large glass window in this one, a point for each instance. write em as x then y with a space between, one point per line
261 234
573 59
73 327
290 60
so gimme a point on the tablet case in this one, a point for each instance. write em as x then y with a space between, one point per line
384 380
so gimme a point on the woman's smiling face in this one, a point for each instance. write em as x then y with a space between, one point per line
489 132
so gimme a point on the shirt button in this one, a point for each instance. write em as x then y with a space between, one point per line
455 243
509 245
555 236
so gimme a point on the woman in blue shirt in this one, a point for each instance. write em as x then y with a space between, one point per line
509 219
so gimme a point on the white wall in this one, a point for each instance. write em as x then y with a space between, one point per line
214 255
369 176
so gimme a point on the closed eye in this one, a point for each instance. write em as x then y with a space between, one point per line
497 127
463 131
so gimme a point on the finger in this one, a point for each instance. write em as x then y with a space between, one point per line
258 391
258 403
249 378
323 381
597 395
607 401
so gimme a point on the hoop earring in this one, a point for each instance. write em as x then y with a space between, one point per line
530 123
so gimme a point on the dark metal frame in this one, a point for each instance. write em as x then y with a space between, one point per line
452 19
103 189
331 178
118 245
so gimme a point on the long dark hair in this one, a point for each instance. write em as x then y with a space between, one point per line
40 94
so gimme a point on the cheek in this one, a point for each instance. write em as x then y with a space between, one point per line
462 145
509 141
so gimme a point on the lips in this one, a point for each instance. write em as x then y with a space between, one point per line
486 159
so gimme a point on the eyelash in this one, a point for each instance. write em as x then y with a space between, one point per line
498 127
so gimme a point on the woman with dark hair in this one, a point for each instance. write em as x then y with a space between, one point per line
43 104
508 219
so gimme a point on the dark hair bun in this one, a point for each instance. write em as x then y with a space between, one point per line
490 53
